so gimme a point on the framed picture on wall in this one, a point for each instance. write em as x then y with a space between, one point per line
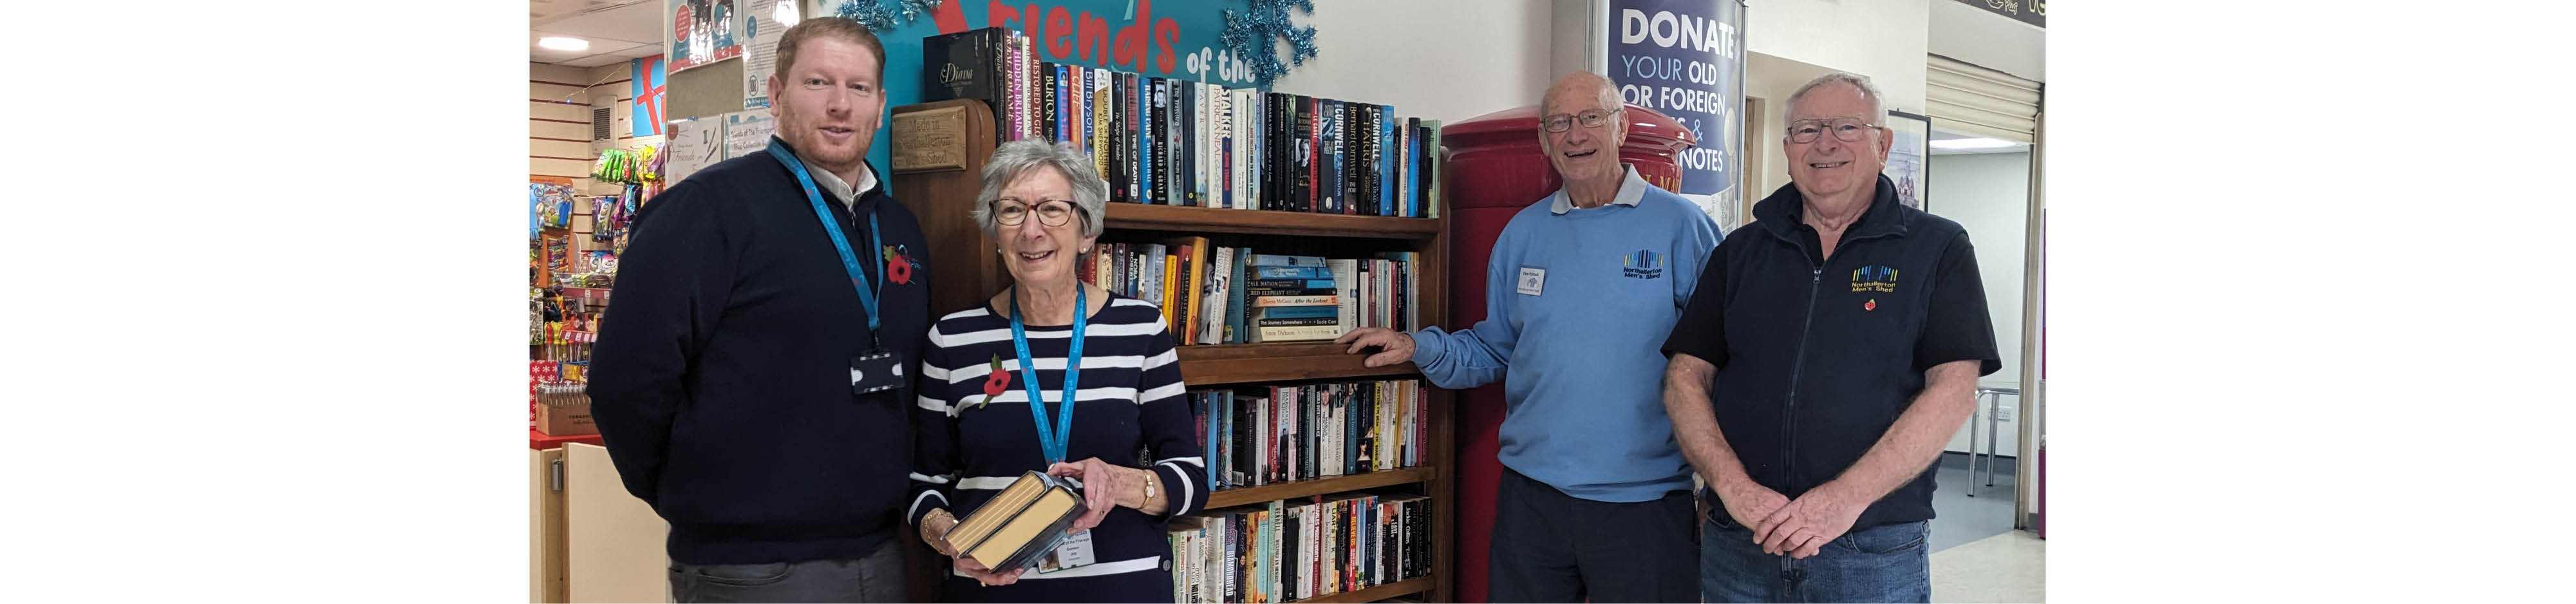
1906 159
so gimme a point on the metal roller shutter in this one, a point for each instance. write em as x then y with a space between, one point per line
1975 100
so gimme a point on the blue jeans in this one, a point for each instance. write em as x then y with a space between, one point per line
1884 563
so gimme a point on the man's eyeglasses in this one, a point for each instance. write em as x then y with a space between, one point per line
1591 119
1052 212
1846 129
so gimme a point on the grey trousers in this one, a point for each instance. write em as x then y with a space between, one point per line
878 577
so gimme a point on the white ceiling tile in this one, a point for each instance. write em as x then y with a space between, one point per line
640 51
633 24
548 55
594 61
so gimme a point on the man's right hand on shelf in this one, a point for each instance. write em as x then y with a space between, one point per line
1396 347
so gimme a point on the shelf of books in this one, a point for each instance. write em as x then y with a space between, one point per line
1264 224
1224 220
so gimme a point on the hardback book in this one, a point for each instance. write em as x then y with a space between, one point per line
1299 333
1290 284
1329 169
1438 169
967 65
1269 301
1274 150
1019 525
1286 260
1152 103
1213 300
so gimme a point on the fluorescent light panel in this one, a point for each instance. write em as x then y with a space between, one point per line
563 44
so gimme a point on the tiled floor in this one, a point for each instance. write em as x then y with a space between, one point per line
2011 567
1959 518
1976 554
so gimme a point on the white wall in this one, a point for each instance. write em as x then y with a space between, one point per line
1989 195
1882 39
1793 41
1439 60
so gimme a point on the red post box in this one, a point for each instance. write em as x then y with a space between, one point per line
1495 169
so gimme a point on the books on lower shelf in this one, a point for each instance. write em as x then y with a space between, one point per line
1214 294
1297 549
1020 524
1276 434
1176 142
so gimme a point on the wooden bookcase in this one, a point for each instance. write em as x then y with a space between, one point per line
940 149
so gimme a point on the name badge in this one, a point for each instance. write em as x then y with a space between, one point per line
1073 552
1532 280
875 372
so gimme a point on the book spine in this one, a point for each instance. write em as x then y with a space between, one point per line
1213 300
1290 283
1178 144
1186 292
1286 260
1150 172
1292 272
1300 312
1270 301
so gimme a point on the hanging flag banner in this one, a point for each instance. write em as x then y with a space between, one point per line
1685 58
645 85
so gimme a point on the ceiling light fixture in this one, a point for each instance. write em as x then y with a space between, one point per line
563 44
1973 143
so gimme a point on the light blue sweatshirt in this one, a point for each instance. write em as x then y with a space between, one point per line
1577 305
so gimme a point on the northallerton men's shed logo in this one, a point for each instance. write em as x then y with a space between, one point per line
1645 264
1874 278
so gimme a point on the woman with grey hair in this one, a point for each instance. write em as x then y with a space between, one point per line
1058 376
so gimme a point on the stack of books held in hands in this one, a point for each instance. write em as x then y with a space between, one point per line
1020 525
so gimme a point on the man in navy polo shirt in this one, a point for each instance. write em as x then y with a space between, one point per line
1845 333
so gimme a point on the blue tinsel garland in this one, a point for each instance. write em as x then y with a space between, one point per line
1252 36
883 15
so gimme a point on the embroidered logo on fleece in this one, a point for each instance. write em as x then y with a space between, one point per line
1874 278
1645 264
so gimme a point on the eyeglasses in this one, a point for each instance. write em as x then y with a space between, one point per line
1591 119
1846 129
1051 212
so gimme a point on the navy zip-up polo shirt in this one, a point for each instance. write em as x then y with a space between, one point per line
1816 356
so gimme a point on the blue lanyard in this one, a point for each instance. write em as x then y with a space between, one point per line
1052 442
832 226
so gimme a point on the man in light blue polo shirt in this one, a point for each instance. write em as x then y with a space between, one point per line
1583 287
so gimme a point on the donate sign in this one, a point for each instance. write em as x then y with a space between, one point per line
1686 58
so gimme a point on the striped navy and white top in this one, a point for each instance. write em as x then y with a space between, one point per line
1131 411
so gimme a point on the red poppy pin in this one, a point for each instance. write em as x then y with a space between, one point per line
1872 304
898 267
995 383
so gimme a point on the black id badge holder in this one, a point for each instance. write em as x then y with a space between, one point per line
876 371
